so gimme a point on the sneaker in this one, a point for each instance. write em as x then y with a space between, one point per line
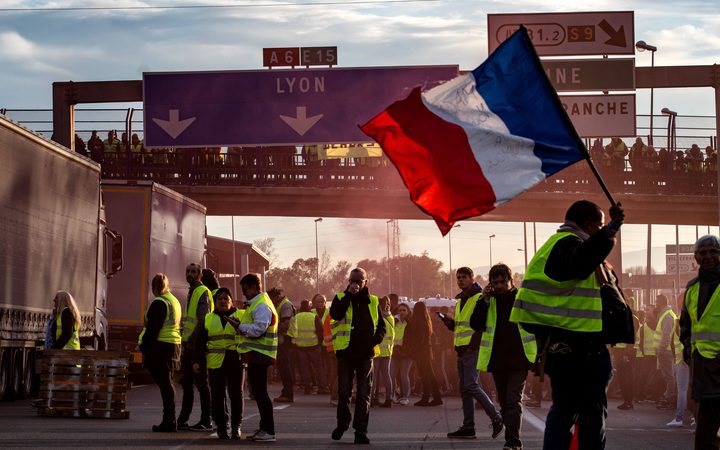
251 436
497 426
283 399
361 438
463 433
626 406
165 427
201 427
422 402
182 426
337 433
263 436
675 423
404 401
236 433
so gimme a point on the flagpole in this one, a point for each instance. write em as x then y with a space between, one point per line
598 177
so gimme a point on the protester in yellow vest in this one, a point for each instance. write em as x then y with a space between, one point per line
467 346
381 364
665 350
357 329
700 336
506 350
200 303
561 301
307 334
67 322
401 361
327 355
160 344
217 344
258 347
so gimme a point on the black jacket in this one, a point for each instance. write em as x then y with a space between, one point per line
362 338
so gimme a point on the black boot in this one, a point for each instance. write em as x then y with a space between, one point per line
166 426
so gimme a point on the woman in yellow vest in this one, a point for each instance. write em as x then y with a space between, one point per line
217 343
67 322
401 362
160 345
257 346
381 363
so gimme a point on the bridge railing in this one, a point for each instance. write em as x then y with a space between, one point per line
261 169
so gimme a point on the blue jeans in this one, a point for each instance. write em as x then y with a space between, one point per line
381 376
470 390
682 378
579 381
400 368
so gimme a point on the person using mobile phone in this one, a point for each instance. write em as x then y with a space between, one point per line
217 344
357 326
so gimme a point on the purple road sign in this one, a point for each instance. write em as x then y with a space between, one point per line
273 107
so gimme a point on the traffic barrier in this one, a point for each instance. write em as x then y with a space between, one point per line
83 383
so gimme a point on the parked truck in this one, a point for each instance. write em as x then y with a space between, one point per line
163 231
52 237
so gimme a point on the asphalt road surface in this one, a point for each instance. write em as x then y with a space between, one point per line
308 422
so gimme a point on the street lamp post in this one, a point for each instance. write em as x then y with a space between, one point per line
490 238
388 255
641 46
317 256
524 251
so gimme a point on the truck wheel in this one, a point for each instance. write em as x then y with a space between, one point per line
4 373
28 373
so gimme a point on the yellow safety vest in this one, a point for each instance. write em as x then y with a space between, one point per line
170 331
268 342
658 329
399 332
488 337
190 319
463 332
705 337
648 340
341 328
385 348
302 329
74 342
220 338
573 305
635 345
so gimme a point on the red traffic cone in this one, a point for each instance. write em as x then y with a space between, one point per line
574 441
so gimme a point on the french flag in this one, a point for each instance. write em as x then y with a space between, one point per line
473 143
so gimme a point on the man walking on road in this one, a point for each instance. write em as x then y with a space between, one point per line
357 327
561 300
467 344
200 303
700 336
506 350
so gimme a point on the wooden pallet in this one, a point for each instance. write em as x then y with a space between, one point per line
83 383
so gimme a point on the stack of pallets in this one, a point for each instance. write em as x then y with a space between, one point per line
83 383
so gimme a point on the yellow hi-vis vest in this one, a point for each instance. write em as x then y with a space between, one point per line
170 331
488 337
706 329
74 342
573 305
220 338
268 342
463 332
638 353
658 330
190 319
648 340
399 332
302 329
341 328
385 348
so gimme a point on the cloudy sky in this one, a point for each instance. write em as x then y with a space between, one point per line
46 41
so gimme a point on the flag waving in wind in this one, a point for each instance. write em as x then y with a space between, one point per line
471 144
